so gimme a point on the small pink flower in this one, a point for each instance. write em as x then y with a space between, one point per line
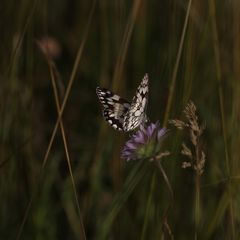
49 47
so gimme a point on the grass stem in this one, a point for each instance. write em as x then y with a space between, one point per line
175 70
221 102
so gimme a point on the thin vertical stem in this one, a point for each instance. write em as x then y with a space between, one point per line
221 101
165 225
125 43
153 180
69 86
175 70
197 192
68 90
165 177
197 205
56 96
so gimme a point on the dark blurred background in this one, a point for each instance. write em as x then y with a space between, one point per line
113 43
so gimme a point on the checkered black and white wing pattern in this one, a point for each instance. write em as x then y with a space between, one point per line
135 115
114 107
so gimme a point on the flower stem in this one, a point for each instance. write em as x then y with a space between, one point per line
197 189
148 207
159 165
166 227
197 205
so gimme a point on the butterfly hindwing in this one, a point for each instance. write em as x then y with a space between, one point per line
114 107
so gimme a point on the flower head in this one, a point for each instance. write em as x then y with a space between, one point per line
50 47
145 142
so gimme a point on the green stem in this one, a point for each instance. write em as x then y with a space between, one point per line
197 205
197 190
148 206
216 47
165 178
166 227
175 70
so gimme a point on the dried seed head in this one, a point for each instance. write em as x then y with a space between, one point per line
200 165
194 132
178 124
186 151
186 164
163 154
193 137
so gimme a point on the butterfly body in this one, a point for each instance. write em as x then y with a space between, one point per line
121 114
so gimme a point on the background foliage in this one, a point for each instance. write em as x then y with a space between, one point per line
112 44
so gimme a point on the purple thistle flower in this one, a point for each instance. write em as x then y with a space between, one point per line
145 142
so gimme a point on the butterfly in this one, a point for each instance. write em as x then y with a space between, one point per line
121 114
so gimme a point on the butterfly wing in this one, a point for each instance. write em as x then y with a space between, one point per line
136 112
114 107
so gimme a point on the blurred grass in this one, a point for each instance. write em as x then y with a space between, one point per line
123 40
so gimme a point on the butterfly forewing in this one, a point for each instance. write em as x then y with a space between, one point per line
114 107
136 113
121 114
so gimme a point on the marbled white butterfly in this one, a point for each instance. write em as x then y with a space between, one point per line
121 114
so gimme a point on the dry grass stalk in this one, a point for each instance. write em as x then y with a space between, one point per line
194 152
